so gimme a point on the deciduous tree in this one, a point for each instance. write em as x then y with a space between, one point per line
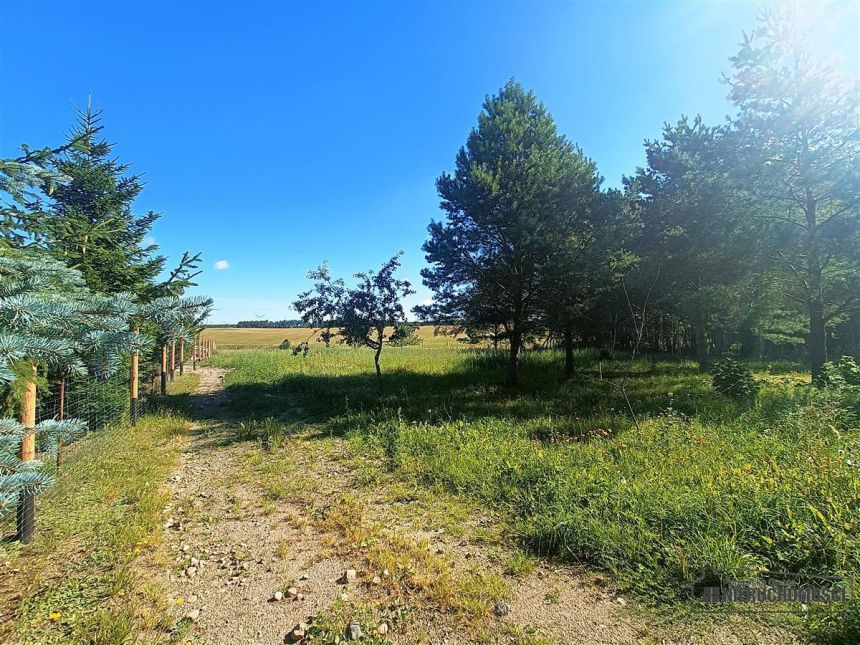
365 312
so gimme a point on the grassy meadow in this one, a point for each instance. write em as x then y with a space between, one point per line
704 482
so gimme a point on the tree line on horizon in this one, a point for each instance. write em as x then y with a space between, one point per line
267 324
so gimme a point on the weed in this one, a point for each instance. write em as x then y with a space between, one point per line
521 564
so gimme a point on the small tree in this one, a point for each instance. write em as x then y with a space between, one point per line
321 306
364 312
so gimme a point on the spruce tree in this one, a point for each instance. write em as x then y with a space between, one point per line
25 183
93 228
49 320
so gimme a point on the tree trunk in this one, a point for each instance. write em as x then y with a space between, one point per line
701 341
817 336
817 325
513 361
376 362
568 352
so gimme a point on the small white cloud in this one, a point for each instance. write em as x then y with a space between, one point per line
428 302
220 265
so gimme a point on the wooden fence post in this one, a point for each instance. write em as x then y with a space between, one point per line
61 414
27 500
172 359
62 410
194 354
135 367
164 369
181 356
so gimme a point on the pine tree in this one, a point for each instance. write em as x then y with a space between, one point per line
512 205
800 144
696 227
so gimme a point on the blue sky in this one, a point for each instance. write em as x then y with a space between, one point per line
273 135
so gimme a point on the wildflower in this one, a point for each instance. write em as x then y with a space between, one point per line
55 615
180 600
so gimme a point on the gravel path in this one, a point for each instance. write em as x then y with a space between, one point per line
229 557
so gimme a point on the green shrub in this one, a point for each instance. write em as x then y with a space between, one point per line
286 344
841 383
733 379
842 375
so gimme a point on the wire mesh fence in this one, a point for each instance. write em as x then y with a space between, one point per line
105 407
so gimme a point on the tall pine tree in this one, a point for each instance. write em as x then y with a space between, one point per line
798 125
512 205
696 228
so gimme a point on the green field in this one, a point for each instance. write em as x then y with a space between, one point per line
704 482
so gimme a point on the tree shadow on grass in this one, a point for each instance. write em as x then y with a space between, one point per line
473 391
